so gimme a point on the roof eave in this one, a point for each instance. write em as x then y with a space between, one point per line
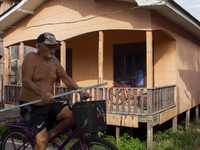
17 12
175 13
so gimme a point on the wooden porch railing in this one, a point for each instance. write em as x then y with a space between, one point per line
139 101
11 93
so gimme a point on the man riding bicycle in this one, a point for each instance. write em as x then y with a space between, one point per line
39 72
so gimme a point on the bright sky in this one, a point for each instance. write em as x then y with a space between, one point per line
191 6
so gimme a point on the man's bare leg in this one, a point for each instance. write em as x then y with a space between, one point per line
42 139
67 118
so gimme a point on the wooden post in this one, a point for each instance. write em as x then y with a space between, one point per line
150 132
6 60
117 135
100 57
149 101
187 121
197 114
149 56
174 124
63 58
131 130
149 61
21 57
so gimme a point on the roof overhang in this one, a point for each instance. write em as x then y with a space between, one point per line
167 8
17 12
173 12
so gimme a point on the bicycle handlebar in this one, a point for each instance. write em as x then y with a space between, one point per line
83 97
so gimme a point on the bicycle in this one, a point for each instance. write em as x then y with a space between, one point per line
91 120
118 94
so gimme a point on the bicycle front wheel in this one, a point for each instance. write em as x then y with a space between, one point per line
96 143
17 140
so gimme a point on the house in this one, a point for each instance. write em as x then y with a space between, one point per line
151 46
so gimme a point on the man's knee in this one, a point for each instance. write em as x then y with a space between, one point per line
42 142
42 138
65 113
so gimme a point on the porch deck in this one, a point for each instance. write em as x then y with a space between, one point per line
137 103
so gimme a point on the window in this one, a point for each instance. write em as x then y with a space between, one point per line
130 64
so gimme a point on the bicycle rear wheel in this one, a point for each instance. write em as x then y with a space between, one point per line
19 136
144 101
96 143
114 97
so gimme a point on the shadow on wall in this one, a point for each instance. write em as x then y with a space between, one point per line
188 73
188 90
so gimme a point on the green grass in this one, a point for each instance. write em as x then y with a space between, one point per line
166 140
184 140
2 129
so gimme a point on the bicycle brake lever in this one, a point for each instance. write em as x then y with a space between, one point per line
83 97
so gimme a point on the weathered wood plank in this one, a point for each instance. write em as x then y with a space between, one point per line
174 124
168 114
122 120
187 119
197 114
150 133
117 135
149 101
130 121
135 100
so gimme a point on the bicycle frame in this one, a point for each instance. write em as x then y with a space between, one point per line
15 124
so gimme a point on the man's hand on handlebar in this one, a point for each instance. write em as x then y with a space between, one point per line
47 98
85 95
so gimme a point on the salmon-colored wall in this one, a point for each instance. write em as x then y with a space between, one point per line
187 61
84 58
85 54
165 68
56 11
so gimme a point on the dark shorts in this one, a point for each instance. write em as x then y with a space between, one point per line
37 117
